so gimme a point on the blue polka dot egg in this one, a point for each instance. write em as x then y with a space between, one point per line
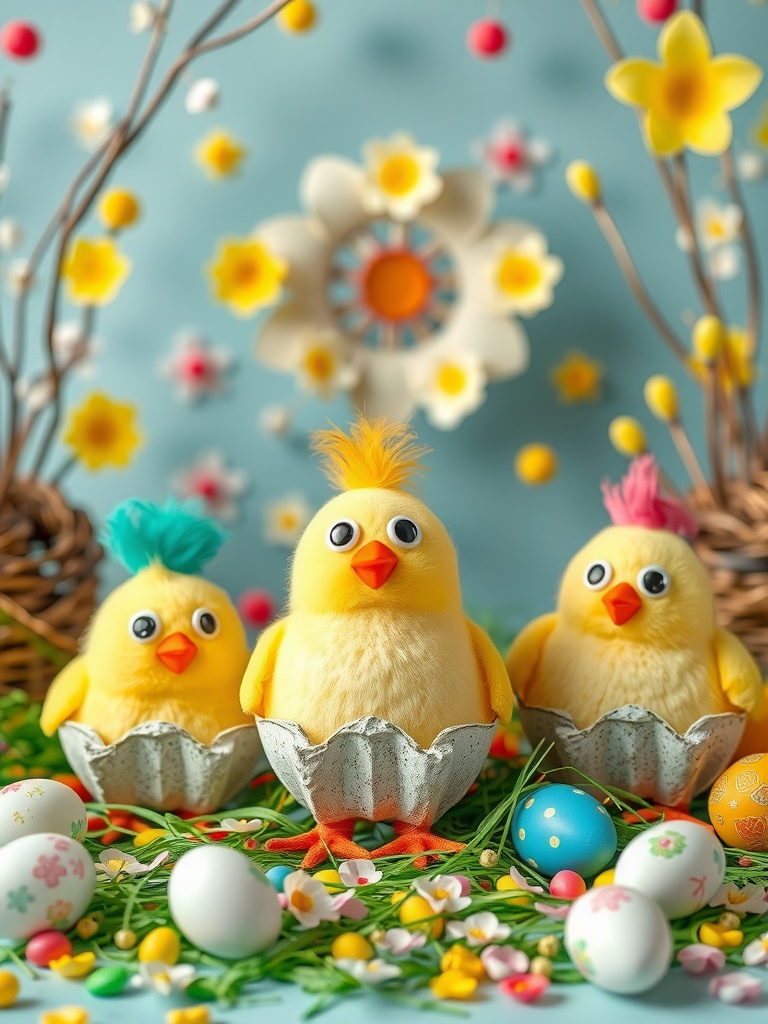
562 828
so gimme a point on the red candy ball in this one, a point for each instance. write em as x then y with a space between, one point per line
567 885
656 11
47 946
257 608
487 38
19 40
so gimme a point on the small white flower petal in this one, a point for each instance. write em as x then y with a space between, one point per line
202 95
331 188
464 207
11 234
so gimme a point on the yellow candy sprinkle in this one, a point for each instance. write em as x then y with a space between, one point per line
125 938
9 989
330 879
148 836
189 1015
720 935
459 958
453 985
535 464
605 878
161 944
351 946
118 209
297 16
74 966
65 1015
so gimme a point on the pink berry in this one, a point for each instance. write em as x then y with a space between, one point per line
19 40
567 885
745 862
656 11
47 946
487 38
257 608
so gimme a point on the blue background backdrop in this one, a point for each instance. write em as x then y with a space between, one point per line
368 69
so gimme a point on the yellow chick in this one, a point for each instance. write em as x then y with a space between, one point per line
164 646
375 625
635 623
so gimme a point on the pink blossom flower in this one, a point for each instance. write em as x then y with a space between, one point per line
400 942
525 988
504 962
737 987
511 158
700 959
348 905
519 881
358 872
50 870
557 910
196 368
210 480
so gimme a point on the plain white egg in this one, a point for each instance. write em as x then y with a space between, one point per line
679 864
222 902
40 805
618 939
46 881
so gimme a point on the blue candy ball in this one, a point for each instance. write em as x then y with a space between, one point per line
278 874
562 828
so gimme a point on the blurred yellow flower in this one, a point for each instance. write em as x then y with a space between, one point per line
102 432
453 985
525 274
459 958
74 966
535 464
189 1015
94 271
220 154
297 16
577 378
685 98
65 1015
760 129
627 436
246 275
119 208
583 181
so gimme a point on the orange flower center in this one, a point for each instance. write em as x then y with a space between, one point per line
101 431
396 285
398 175
245 273
302 902
518 275
685 94
319 364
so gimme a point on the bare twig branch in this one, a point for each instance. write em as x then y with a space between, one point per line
602 29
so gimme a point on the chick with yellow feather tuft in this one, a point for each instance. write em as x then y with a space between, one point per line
375 625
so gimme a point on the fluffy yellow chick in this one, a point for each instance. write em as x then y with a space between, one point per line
164 646
635 624
375 625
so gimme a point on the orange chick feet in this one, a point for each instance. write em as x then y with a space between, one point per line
334 837
416 839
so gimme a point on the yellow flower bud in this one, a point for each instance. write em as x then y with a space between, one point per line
459 958
412 915
297 16
708 338
330 879
125 938
119 208
627 436
661 398
540 965
548 945
535 464
583 181
351 946
729 920
453 985
489 859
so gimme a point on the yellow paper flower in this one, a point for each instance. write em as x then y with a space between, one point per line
524 275
220 154
189 1015
720 935
298 16
119 208
246 276
94 271
453 985
583 181
577 378
400 176
686 97
661 398
74 966
535 464
459 958
103 432
65 1015
627 436
760 129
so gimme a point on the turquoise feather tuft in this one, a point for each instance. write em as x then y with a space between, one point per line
177 535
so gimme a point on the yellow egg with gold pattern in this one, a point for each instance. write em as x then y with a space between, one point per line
738 804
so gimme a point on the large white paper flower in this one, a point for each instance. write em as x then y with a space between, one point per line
396 284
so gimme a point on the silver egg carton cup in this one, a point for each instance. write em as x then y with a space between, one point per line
160 766
633 749
371 769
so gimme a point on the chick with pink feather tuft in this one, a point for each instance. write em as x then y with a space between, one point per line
635 622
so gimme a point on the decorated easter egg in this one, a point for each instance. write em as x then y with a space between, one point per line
618 939
46 882
738 804
223 903
40 805
679 864
562 828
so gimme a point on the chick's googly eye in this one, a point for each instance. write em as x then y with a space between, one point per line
144 626
205 623
343 535
598 575
653 581
404 532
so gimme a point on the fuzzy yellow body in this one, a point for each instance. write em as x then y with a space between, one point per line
117 683
668 656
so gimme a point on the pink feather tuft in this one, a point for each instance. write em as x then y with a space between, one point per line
637 501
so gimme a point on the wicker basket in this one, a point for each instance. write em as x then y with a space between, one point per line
48 557
733 544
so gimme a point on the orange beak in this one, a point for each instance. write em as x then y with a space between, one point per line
176 652
374 563
622 602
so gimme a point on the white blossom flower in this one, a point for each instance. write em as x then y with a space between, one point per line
164 978
358 872
11 234
737 987
479 929
326 364
91 121
442 893
308 900
400 176
240 825
448 385
19 276
369 972
746 899
521 883
724 262
717 223
218 487
114 862
72 348
35 394
756 952
503 961
400 941
141 16
275 420
203 94
751 166
285 519
197 368
5 177
511 158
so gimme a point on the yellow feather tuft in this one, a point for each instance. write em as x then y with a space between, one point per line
375 453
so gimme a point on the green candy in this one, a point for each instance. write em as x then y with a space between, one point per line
107 981
201 989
